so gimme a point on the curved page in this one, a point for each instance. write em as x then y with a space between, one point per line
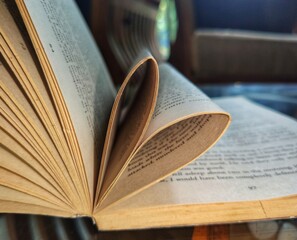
23 84
78 80
185 124
250 174
136 121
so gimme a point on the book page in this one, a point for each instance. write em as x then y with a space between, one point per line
17 110
9 194
185 124
7 206
26 91
77 77
15 164
177 98
22 122
134 104
254 160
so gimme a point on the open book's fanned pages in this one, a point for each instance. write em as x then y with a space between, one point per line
184 125
56 101
143 79
31 135
78 80
250 174
70 146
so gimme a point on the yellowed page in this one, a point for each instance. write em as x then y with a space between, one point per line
25 176
8 194
18 52
22 160
28 208
255 159
18 182
249 174
47 155
137 217
26 126
143 79
22 122
10 130
177 98
197 214
77 77
185 124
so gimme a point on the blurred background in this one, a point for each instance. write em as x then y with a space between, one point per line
209 41
242 47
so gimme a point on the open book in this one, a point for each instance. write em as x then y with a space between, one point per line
70 146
